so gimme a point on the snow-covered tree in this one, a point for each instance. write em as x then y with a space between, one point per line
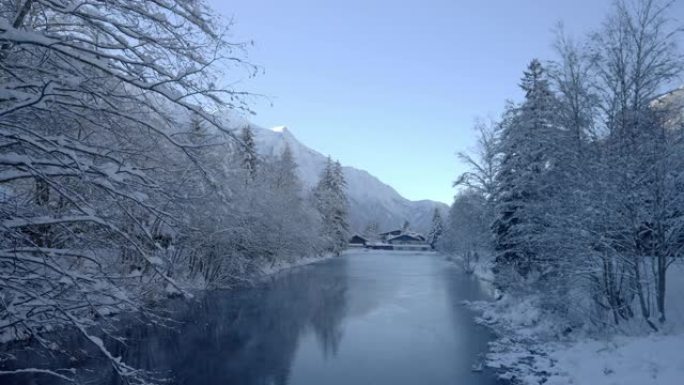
248 153
467 233
471 214
436 229
636 59
293 224
331 201
285 173
483 164
583 179
94 100
529 134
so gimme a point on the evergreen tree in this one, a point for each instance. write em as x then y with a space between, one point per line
285 169
527 162
331 201
248 153
281 223
437 228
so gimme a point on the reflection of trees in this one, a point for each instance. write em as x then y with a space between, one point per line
327 314
244 336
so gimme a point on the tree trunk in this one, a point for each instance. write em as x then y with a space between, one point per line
645 308
660 286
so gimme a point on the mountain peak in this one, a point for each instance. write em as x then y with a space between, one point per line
370 199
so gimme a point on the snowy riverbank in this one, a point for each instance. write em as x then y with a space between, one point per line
281 266
535 347
159 295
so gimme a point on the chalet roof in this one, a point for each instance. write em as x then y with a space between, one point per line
412 236
415 234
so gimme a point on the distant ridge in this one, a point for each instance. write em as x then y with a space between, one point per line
370 199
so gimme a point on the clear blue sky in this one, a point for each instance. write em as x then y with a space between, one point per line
394 87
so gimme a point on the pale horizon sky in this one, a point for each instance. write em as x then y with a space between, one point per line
395 87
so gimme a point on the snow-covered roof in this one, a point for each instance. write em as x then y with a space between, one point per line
415 236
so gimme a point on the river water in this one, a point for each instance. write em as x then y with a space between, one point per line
368 317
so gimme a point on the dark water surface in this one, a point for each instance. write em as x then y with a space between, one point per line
365 318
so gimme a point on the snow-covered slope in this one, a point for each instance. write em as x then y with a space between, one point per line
370 199
672 101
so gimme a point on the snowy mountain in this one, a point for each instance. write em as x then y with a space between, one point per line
672 101
370 199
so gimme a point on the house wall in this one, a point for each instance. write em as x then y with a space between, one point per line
421 247
407 242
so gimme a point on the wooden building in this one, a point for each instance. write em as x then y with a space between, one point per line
358 241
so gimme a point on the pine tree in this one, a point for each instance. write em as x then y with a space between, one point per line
437 228
248 153
331 201
340 221
529 133
285 168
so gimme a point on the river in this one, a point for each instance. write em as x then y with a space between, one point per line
368 317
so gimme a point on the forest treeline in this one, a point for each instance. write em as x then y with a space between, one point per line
577 191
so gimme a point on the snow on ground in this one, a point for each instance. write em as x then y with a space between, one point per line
655 359
534 348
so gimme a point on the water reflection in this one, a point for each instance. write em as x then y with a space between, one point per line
405 325
245 336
